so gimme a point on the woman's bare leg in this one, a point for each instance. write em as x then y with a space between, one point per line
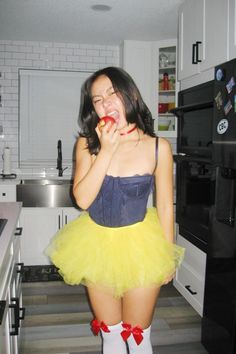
108 309
138 308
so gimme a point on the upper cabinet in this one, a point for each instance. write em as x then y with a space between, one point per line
232 29
203 36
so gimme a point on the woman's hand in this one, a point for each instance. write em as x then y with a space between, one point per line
109 137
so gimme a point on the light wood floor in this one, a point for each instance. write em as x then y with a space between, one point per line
58 316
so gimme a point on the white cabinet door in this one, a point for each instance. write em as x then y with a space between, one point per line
190 32
39 225
190 277
232 29
69 214
7 193
215 44
4 329
203 26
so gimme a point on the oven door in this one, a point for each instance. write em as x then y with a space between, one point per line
195 197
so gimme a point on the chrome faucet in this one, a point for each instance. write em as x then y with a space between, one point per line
59 159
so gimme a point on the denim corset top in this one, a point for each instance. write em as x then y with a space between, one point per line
122 201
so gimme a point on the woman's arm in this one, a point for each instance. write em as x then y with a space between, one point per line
164 188
89 172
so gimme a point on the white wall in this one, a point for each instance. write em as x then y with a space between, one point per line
41 55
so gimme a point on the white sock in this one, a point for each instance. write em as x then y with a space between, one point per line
145 347
113 343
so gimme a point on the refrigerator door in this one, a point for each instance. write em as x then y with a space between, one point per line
224 120
219 317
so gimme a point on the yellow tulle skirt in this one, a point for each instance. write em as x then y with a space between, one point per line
114 259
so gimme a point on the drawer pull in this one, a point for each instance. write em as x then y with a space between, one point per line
15 307
20 268
18 231
188 287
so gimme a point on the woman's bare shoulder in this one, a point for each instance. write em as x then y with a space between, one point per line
164 145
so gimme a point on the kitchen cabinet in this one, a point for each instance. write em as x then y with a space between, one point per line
7 192
190 276
11 268
141 60
232 29
203 36
40 225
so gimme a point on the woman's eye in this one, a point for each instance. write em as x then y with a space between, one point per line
97 100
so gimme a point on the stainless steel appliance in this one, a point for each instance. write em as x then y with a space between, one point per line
219 320
206 197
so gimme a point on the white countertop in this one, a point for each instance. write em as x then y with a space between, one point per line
11 212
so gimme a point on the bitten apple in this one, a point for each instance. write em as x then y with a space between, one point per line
104 120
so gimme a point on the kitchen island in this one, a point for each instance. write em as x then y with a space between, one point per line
11 269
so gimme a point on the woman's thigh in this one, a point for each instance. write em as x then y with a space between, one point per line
105 307
139 305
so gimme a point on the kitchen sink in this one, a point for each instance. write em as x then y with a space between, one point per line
48 193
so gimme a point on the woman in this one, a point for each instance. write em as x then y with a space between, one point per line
120 250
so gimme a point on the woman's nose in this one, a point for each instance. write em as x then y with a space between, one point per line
106 101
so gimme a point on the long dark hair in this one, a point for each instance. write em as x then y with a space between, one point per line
135 108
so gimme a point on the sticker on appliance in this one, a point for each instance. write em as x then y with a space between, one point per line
230 84
219 100
227 107
222 126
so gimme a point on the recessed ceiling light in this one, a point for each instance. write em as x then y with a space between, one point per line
101 7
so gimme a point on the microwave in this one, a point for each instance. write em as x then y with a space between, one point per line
195 120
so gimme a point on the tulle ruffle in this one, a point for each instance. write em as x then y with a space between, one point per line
115 259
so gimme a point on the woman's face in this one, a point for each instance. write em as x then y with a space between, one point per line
107 102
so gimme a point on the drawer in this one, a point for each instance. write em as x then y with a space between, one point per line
7 193
194 257
191 287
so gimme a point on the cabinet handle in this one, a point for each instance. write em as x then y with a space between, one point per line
18 231
15 325
65 219
188 287
59 222
20 268
194 60
2 310
197 51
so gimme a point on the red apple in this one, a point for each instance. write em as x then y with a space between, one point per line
104 120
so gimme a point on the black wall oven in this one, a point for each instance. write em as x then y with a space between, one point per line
195 173
195 196
195 120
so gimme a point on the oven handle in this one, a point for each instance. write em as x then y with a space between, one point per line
178 158
191 107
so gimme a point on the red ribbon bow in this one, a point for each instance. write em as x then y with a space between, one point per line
136 331
97 326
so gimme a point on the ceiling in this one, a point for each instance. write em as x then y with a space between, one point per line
76 22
